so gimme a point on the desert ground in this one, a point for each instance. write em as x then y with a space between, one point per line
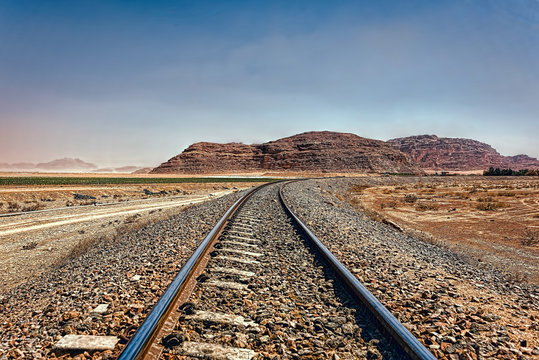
490 220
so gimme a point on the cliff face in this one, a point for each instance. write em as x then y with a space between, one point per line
323 151
432 152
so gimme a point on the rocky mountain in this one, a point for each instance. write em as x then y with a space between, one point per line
454 154
322 151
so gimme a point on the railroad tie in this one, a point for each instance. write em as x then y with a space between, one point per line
246 239
239 243
225 319
233 271
241 252
214 351
225 284
240 232
238 260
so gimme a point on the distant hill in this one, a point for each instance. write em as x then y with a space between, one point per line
454 154
58 165
145 170
71 165
318 151
66 164
123 169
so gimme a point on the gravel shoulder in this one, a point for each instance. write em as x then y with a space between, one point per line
127 272
458 309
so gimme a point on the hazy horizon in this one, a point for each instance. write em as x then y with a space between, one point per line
134 83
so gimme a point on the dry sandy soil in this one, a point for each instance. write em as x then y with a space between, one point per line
491 220
32 242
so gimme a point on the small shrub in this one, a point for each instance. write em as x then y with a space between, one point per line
132 219
410 198
13 206
32 207
424 206
31 245
505 193
489 205
391 204
530 238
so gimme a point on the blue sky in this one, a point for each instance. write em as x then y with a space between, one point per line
135 82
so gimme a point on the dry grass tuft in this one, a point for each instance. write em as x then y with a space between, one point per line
31 245
530 238
410 198
489 205
390 204
424 206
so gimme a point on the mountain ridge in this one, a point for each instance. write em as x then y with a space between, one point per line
315 151
431 152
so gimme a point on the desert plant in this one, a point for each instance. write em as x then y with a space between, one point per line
505 193
13 206
132 219
410 198
32 207
31 245
391 204
489 205
424 206
530 238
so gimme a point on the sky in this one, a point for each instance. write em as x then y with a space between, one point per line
136 82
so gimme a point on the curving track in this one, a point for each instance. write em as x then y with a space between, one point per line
259 286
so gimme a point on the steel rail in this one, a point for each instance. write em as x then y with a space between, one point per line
397 331
145 335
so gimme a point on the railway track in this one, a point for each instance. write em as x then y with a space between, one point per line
261 286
